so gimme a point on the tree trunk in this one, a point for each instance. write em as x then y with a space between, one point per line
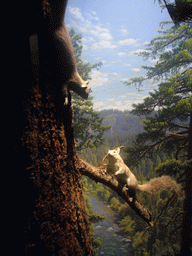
44 211
186 241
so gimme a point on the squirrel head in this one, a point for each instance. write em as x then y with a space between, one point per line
114 152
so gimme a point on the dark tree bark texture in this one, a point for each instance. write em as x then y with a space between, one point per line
43 206
57 223
186 234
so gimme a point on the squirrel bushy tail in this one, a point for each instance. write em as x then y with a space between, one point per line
161 183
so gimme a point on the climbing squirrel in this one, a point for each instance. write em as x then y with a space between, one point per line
125 177
51 44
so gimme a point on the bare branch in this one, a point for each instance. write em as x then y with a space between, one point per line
180 214
183 90
165 206
176 134
100 175
179 126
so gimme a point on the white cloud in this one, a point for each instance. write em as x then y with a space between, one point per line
127 65
124 32
146 43
76 12
84 40
98 79
100 105
102 37
123 102
154 60
169 49
98 36
122 53
124 79
129 41
85 47
113 104
101 33
103 44
135 69
93 16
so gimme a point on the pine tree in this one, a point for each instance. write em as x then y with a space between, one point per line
87 125
168 108
168 126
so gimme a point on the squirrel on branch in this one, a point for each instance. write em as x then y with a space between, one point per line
125 177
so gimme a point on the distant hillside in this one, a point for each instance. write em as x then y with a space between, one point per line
124 126
123 123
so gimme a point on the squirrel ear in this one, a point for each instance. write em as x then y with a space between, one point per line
118 150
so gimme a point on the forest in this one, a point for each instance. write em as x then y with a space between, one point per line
157 139
133 227
54 140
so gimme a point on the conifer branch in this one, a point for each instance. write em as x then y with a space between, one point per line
180 36
164 207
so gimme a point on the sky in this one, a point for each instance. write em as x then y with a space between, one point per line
113 32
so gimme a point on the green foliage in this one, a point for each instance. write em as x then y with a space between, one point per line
165 236
127 225
94 240
115 204
173 167
168 109
173 51
87 125
93 217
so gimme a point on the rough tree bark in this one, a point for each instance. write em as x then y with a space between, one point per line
44 207
44 212
186 234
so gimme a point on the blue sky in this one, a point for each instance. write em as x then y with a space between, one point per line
113 31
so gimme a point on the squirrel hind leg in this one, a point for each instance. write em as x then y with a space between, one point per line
132 193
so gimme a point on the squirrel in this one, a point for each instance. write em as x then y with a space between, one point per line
51 42
125 177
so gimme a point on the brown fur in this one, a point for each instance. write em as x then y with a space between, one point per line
161 183
51 47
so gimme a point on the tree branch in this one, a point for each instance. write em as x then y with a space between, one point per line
169 42
100 175
164 207
163 68
179 134
151 147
